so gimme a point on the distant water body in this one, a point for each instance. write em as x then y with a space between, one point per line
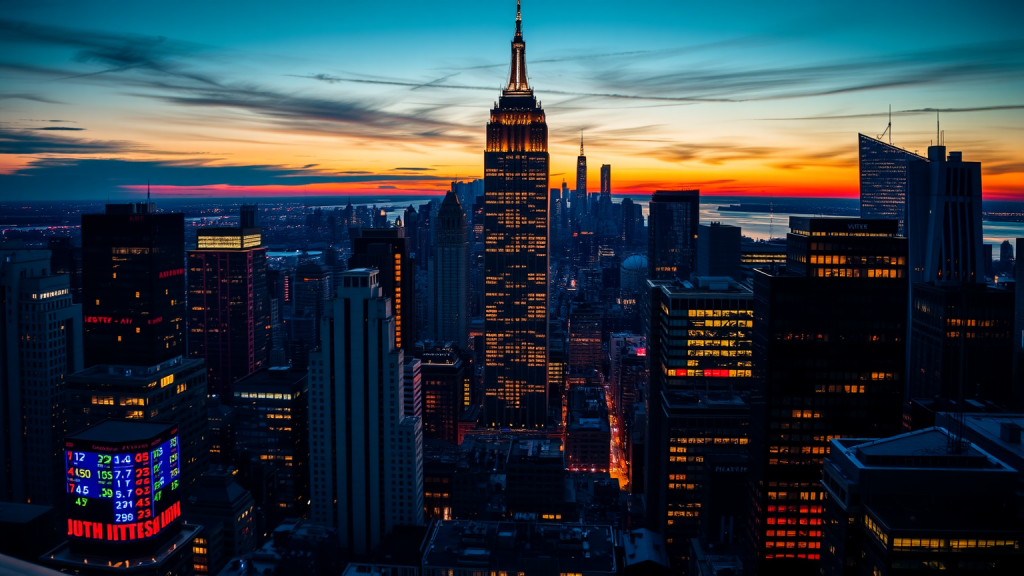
757 225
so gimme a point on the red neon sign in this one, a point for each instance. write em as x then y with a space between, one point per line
170 273
641 351
84 529
106 320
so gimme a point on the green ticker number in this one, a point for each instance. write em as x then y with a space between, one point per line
174 485
81 501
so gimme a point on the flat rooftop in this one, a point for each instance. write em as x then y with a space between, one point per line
521 547
927 448
122 430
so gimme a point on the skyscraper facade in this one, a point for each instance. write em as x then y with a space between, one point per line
884 180
944 219
718 250
366 454
312 290
580 202
388 251
133 285
228 320
823 370
448 299
672 234
447 378
40 345
516 167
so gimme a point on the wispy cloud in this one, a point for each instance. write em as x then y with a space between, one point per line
99 177
29 142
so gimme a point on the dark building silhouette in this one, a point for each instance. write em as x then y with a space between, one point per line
40 346
829 350
925 500
133 285
516 166
388 252
312 289
227 317
944 218
961 343
718 250
271 421
672 234
585 322
448 300
884 180
960 333
66 258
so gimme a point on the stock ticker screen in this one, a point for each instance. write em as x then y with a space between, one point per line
127 490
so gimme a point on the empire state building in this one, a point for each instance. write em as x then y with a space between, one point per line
516 168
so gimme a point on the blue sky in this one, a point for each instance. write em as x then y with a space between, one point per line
732 97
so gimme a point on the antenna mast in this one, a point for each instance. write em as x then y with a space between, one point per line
888 129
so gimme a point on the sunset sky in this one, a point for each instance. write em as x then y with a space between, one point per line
231 98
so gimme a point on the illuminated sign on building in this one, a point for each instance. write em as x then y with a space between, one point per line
172 273
121 489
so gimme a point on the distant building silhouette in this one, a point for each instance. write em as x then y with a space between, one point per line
672 234
448 298
133 285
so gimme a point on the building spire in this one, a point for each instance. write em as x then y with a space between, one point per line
581 143
517 74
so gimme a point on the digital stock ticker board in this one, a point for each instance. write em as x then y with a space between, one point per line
123 483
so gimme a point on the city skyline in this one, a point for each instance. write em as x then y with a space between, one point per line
272 103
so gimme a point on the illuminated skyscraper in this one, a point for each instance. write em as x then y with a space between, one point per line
448 301
516 167
672 234
883 180
829 354
579 199
228 321
388 251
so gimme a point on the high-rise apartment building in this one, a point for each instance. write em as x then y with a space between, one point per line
313 287
271 423
884 180
133 285
516 166
448 299
40 345
412 387
696 428
585 319
829 348
672 234
388 252
228 320
366 455
700 341
447 379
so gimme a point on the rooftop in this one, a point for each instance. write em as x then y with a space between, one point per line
536 448
123 431
927 448
521 547
281 376
991 427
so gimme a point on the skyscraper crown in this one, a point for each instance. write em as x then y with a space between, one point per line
517 82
